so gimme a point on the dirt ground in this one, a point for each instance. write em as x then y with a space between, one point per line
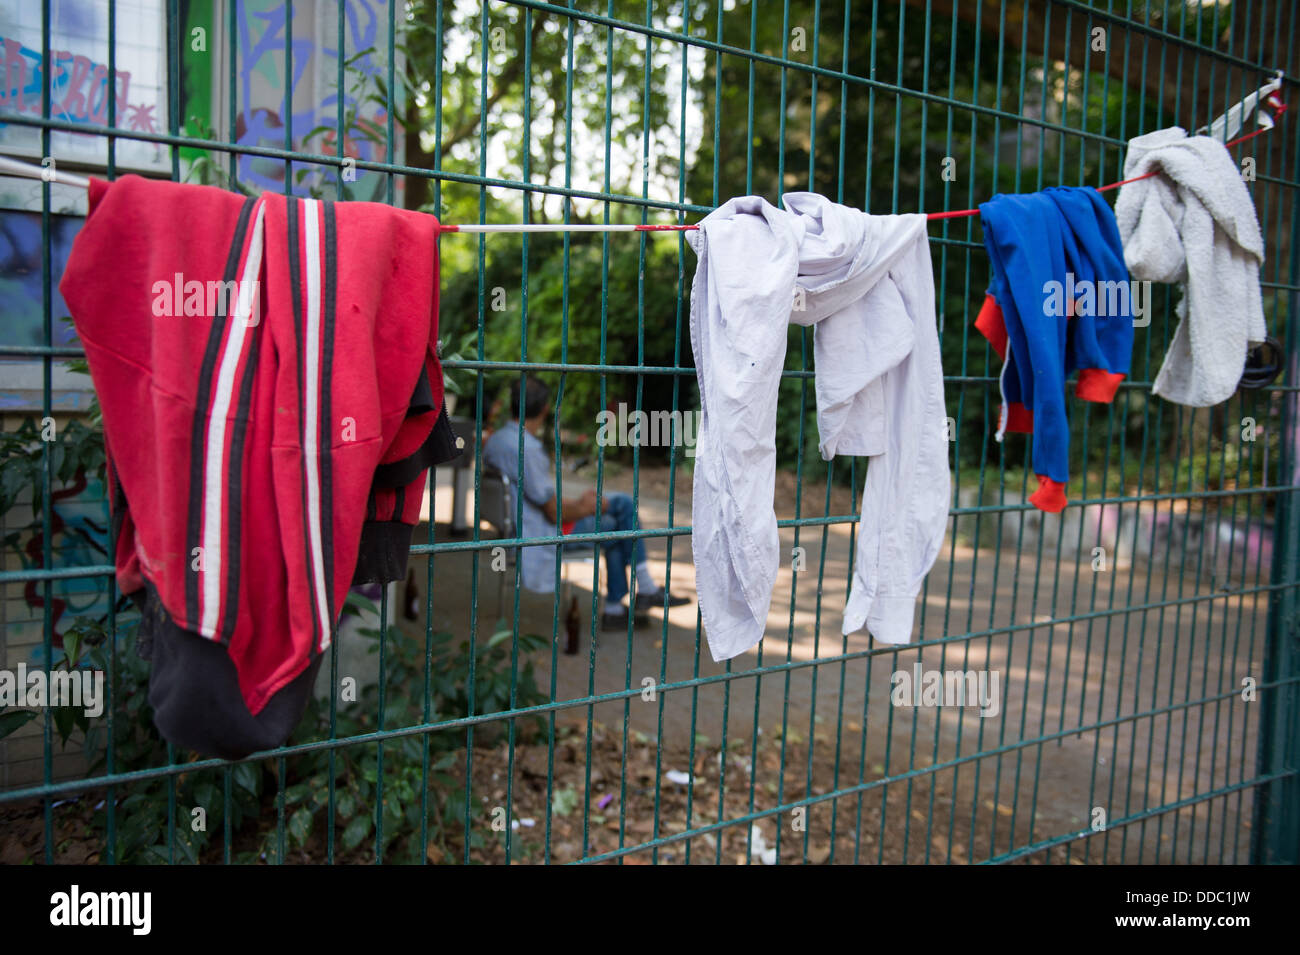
1064 751
1105 721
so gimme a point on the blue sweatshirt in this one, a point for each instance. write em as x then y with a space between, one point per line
1060 301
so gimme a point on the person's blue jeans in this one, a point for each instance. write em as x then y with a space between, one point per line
620 555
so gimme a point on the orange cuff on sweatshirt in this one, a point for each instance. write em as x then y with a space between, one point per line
1019 418
1050 495
1097 384
992 325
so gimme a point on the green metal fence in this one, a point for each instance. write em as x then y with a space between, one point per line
1144 642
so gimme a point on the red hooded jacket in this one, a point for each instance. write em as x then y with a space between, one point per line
272 398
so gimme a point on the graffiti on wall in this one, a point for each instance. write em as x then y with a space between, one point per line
81 87
78 538
21 282
312 102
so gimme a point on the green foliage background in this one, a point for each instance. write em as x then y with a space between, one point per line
765 130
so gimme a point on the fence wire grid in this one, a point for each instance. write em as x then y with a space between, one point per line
1144 642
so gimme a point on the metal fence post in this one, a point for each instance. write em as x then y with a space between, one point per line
1276 832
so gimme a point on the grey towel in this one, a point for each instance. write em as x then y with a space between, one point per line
1195 224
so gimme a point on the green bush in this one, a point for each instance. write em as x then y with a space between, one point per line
196 803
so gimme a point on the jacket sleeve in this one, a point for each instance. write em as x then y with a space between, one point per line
906 496
740 307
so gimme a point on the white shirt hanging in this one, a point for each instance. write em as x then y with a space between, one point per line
865 285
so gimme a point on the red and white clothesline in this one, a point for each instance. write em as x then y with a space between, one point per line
17 168
951 214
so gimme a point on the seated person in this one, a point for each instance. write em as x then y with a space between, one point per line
537 571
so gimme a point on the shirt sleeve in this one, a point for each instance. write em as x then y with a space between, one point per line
906 493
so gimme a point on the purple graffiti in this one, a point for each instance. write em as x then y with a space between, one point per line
79 87
262 36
